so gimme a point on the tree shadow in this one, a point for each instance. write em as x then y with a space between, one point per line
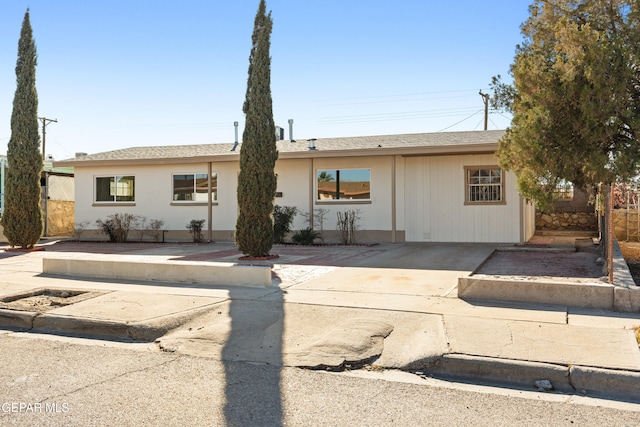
252 357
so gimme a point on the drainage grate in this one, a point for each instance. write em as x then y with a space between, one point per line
45 299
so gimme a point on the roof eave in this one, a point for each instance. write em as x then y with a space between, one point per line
232 157
482 148
444 150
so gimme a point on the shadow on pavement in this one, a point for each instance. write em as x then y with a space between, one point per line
252 389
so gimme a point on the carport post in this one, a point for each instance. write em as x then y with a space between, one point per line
609 217
3 164
210 201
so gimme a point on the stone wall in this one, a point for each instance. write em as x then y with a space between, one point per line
61 216
581 221
620 225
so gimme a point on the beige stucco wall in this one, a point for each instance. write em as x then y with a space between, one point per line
293 182
429 197
153 194
296 182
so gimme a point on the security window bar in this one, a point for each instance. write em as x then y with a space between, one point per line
564 191
484 186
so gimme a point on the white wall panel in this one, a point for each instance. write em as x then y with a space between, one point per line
442 216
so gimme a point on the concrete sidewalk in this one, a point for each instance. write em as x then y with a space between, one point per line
385 306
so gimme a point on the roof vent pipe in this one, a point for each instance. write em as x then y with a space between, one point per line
312 144
291 130
235 143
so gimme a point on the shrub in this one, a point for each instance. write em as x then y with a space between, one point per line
78 229
117 226
155 229
141 227
305 236
282 220
151 228
195 228
317 220
348 225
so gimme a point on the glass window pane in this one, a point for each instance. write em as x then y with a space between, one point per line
355 184
125 189
194 187
344 184
214 186
104 189
183 187
327 185
201 187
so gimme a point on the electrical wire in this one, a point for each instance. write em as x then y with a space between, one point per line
457 123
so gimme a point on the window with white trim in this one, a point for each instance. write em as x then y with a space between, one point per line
194 187
115 189
484 185
343 184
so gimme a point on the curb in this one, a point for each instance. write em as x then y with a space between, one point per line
146 330
624 385
64 325
501 371
583 380
17 320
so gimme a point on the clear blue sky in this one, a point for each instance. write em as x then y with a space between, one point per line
124 73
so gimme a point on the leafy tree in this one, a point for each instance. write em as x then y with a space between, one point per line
575 97
258 155
22 217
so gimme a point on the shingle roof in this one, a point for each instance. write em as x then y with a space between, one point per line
440 139
360 145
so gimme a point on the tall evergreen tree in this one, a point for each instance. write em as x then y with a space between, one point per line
22 217
258 155
575 97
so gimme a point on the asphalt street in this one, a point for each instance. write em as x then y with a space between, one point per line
49 380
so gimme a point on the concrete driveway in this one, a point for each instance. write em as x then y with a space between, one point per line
416 268
334 307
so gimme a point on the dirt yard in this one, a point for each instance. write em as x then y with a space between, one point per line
631 253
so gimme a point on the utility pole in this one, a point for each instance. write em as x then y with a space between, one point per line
45 122
485 99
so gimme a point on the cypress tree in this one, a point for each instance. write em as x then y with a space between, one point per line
22 217
258 155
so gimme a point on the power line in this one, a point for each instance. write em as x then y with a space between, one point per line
457 123
394 95
403 115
